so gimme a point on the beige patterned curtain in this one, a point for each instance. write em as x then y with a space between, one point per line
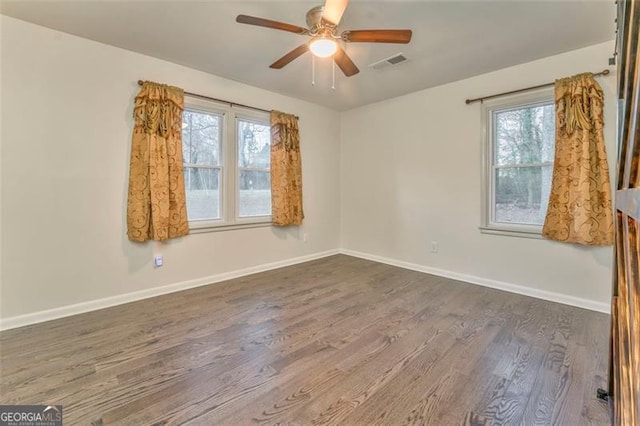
156 209
580 201
286 170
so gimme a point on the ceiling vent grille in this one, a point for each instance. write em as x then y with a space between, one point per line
393 60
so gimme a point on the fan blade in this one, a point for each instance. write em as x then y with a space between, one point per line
260 22
280 63
333 10
377 36
345 63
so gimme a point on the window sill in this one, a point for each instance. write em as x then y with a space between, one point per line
514 232
203 229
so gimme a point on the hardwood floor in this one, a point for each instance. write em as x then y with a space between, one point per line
339 340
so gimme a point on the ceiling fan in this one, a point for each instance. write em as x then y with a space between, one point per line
322 23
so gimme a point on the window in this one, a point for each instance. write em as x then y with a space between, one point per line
226 155
254 176
518 156
201 136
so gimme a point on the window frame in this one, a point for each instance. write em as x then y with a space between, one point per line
489 108
229 169
261 119
221 164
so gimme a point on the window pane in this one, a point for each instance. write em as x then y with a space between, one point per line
254 145
525 135
201 137
255 193
522 194
254 181
203 193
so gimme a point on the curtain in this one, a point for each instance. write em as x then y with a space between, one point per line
580 201
286 170
156 208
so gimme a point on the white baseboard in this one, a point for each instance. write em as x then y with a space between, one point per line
93 305
79 308
500 285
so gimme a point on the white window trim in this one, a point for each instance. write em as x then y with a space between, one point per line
228 168
488 225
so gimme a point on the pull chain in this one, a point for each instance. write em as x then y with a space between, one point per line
313 70
333 75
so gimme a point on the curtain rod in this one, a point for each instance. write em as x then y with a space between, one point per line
209 98
470 101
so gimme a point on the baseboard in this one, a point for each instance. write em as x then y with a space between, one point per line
500 285
93 305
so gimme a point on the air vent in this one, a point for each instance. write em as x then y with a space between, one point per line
393 60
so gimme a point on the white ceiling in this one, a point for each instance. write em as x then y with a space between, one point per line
452 40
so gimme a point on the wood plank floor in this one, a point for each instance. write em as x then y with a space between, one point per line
339 340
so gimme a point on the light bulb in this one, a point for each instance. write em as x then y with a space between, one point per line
323 47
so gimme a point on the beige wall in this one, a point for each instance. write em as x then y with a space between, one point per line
65 146
382 180
411 170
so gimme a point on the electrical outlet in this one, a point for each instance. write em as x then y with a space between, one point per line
434 246
158 260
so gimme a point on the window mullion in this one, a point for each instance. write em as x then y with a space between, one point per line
254 169
512 166
231 163
200 166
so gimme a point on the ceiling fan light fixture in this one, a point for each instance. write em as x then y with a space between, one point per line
323 47
322 27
